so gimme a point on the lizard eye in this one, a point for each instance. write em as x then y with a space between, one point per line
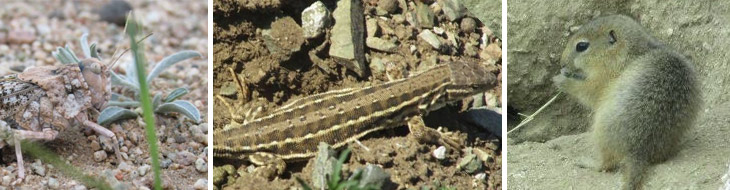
581 46
611 37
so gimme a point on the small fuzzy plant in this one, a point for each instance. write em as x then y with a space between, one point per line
120 107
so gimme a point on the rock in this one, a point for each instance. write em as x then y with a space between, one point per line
376 65
468 25
115 12
142 170
201 165
389 6
184 158
221 173
53 183
201 184
100 156
37 167
79 187
440 153
348 36
430 38
95 146
315 19
491 52
323 165
284 38
228 89
381 44
453 9
424 16
20 37
124 167
372 175
165 163
371 25
106 143
470 163
7 180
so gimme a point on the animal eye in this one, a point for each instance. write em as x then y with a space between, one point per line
611 37
581 46
94 68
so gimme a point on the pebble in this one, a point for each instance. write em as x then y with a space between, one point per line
376 65
371 25
380 44
20 37
7 180
165 163
228 89
468 25
38 168
372 175
201 184
79 187
106 143
315 19
424 17
184 158
53 183
389 6
440 153
453 9
100 156
492 51
95 146
201 165
115 12
142 170
430 38
124 167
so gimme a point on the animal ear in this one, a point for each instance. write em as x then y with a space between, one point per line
612 37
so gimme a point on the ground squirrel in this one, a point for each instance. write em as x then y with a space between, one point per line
643 94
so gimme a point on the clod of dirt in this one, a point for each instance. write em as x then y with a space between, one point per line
348 36
284 38
115 12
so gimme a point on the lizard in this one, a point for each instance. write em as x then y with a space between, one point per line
293 131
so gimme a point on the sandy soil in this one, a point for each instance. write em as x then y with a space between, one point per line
39 28
275 78
547 156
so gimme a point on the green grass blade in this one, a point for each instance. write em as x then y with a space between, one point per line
134 28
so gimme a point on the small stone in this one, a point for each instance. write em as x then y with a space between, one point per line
228 89
79 187
20 37
424 17
453 9
124 167
372 175
390 6
201 165
348 35
468 25
470 163
115 12
492 51
315 19
142 170
440 153
165 163
95 146
481 177
106 143
100 156
430 38
53 183
38 168
221 173
184 158
381 44
376 65
7 180
323 164
371 25
201 184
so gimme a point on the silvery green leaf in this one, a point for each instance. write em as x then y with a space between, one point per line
122 80
85 45
120 97
132 73
112 114
126 104
171 60
180 106
94 54
156 101
176 94
71 54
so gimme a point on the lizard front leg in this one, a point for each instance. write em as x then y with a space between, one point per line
81 118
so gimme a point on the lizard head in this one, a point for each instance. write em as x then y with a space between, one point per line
96 75
468 79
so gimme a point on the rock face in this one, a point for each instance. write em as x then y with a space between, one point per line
348 36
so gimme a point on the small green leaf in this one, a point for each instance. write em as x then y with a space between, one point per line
94 54
85 45
180 106
156 101
126 104
171 60
124 81
113 113
176 94
71 54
